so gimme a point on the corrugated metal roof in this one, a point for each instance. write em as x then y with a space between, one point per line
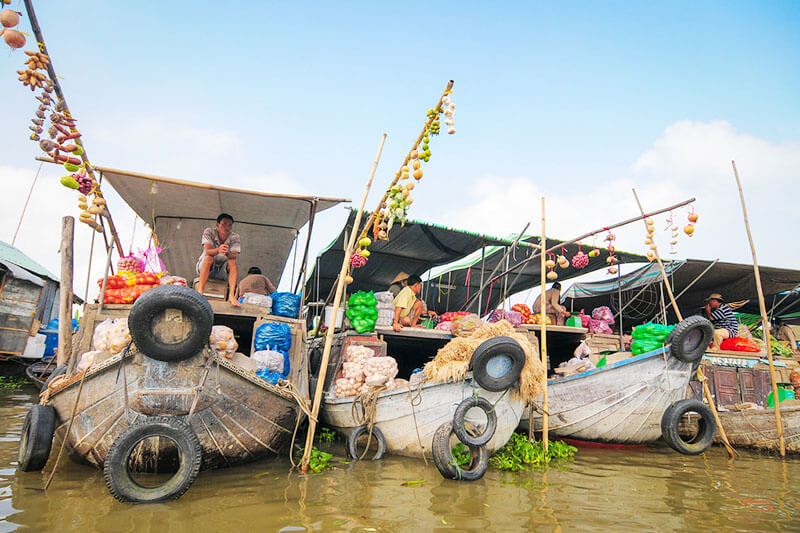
14 255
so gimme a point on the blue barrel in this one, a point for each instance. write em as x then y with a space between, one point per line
51 336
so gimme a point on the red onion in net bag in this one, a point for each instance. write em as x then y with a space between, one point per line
603 313
513 317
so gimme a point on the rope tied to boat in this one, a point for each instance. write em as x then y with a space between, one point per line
368 400
415 400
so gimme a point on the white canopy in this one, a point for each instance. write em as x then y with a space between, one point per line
180 210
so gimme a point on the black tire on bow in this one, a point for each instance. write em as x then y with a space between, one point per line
193 308
377 437
36 438
706 427
446 463
460 426
689 340
117 471
497 363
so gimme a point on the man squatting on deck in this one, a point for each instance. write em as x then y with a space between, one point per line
552 298
725 324
407 307
218 260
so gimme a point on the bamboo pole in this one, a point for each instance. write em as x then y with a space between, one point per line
712 405
543 334
660 264
764 321
65 301
589 234
37 32
326 352
25 207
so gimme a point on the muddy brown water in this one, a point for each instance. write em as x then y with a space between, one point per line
635 489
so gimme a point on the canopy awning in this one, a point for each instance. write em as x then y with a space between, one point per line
179 211
695 278
413 248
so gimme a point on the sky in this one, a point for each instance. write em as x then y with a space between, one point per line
576 102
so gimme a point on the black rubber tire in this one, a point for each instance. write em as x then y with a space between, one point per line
689 340
195 309
59 371
446 463
487 352
670 424
36 438
352 441
190 453
459 419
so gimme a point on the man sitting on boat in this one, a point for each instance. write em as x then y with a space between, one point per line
218 260
785 335
720 314
553 308
407 307
398 283
255 282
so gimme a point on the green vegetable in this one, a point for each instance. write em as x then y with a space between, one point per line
520 454
71 167
70 182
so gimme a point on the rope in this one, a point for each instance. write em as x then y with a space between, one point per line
415 400
369 408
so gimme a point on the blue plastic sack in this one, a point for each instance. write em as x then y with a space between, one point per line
272 377
273 336
286 304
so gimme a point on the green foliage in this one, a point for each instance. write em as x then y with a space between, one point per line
778 349
521 454
461 455
13 382
326 435
318 461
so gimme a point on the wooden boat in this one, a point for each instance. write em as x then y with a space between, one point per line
618 403
756 429
147 406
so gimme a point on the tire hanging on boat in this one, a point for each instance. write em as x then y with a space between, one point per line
377 436
706 427
689 340
459 421
446 463
149 307
118 475
36 438
497 363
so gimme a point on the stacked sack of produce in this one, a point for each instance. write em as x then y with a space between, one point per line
513 317
362 311
362 370
252 298
110 337
385 308
467 325
528 316
166 279
601 320
285 304
649 337
448 320
126 287
273 339
223 341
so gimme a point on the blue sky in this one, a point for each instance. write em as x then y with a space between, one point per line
575 102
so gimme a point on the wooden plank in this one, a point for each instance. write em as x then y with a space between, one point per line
747 385
419 333
555 329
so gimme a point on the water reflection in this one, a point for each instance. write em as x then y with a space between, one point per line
650 489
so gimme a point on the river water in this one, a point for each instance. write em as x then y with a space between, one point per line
634 489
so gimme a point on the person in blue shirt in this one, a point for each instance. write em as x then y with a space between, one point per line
720 314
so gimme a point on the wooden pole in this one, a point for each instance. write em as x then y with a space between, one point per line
712 405
660 264
27 201
543 334
326 352
764 320
65 302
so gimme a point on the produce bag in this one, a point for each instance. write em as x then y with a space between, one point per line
223 341
252 298
514 317
269 359
467 325
738 344
585 319
358 354
90 358
383 366
173 280
362 298
639 346
451 316
362 311
651 331
582 350
599 326
286 304
130 263
603 313
111 335
273 335
152 261
346 387
384 298
445 325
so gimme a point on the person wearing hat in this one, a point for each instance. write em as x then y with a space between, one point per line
407 306
725 324
785 334
553 307
398 283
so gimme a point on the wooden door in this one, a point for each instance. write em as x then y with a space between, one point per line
763 386
748 385
726 386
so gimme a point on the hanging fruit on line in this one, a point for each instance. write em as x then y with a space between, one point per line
689 230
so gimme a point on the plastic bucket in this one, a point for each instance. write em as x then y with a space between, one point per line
329 314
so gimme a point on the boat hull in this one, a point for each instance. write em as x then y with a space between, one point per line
409 418
756 429
620 403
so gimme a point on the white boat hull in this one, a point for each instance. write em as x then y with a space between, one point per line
619 403
408 429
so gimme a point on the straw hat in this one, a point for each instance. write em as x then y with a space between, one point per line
715 296
401 276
